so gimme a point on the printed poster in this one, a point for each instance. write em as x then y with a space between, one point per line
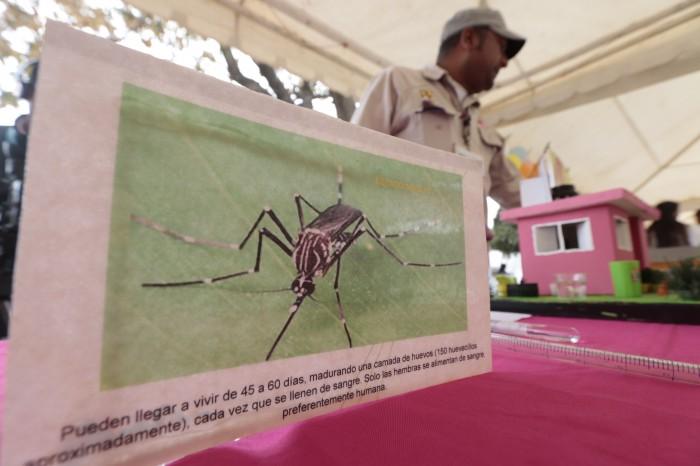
199 262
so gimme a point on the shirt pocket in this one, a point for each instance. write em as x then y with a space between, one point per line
432 123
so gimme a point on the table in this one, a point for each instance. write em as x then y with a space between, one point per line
527 411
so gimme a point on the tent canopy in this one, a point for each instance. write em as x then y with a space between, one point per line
614 87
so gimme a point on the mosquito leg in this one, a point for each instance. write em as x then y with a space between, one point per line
340 305
340 184
179 236
298 199
377 237
292 312
217 244
401 234
271 213
263 233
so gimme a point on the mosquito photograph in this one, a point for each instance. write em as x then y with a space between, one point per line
237 243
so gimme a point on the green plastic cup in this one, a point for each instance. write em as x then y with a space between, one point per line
626 279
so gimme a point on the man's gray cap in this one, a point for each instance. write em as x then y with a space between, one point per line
483 17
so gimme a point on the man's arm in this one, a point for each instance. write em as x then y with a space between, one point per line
505 181
378 104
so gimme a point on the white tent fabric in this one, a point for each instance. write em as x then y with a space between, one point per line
614 87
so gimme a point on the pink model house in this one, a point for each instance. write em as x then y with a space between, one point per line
581 234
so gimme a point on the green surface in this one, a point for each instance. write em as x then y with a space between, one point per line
208 175
644 299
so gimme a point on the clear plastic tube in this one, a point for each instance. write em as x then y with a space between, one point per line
546 332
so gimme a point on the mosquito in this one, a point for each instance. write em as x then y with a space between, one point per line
318 247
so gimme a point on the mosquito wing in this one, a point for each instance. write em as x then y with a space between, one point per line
335 219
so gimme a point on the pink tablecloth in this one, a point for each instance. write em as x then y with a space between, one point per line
528 411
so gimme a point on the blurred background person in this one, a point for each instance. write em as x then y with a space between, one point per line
13 149
694 231
667 232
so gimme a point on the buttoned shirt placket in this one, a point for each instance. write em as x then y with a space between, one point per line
468 104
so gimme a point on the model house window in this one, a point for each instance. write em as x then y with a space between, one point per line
622 234
547 239
571 235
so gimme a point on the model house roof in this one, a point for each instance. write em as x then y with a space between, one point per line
621 198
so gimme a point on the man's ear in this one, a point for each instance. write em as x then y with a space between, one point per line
469 39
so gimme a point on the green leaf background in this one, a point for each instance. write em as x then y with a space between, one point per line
208 175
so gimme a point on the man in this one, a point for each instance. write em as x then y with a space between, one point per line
667 232
694 231
437 106
13 147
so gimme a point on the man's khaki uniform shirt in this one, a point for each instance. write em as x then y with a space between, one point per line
426 106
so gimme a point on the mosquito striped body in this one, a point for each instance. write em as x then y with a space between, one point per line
318 247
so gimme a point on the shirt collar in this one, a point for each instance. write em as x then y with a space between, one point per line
436 73
458 88
433 72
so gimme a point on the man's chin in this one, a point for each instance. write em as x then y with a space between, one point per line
488 86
